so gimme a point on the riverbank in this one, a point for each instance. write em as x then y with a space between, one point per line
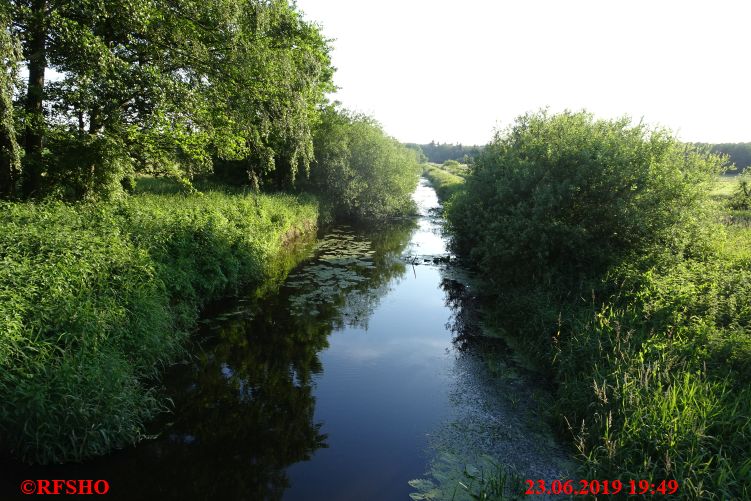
352 379
629 286
444 182
95 299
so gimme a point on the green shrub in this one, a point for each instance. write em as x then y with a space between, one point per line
85 166
566 196
602 260
741 197
359 170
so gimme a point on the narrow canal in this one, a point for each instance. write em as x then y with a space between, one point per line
357 380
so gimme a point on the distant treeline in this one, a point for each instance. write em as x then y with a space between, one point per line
439 153
739 153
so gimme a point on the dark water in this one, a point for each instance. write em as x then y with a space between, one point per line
347 383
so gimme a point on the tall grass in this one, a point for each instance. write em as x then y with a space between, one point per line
95 299
656 385
455 168
445 183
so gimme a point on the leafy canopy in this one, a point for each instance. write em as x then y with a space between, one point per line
567 195
168 86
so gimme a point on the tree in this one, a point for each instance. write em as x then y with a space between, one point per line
166 86
362 172
10 152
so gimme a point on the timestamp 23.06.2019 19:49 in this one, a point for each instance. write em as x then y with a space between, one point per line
601 487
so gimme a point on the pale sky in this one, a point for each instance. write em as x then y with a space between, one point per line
452 71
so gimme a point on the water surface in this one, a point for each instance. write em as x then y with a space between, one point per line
347 383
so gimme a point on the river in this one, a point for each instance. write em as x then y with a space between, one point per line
359 375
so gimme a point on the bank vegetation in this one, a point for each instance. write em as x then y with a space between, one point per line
607 260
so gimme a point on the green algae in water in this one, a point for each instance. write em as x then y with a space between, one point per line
454 479
341 265
496 423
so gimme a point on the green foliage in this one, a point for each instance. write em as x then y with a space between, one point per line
741 197
603 264
95 298
177 83
657 385
565 196
445 183
10 151
420 155
739 154
363 173
85 166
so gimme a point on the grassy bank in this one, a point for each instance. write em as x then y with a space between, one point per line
445 183
624 279
96 298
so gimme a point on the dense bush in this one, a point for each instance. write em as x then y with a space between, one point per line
567 195
363 173
656 384
601 261
85 167
95 298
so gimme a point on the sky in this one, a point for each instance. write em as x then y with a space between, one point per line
454 71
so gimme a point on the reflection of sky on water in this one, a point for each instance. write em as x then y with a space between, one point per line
391 387
349 374
427 240
383 388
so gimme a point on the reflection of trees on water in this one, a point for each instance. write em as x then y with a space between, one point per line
244 407
244 412
360 304
464 322
353 271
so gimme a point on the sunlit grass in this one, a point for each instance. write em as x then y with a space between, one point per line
445 183
455 168
725 187
96 298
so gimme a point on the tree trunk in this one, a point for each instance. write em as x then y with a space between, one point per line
37 57
10 159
